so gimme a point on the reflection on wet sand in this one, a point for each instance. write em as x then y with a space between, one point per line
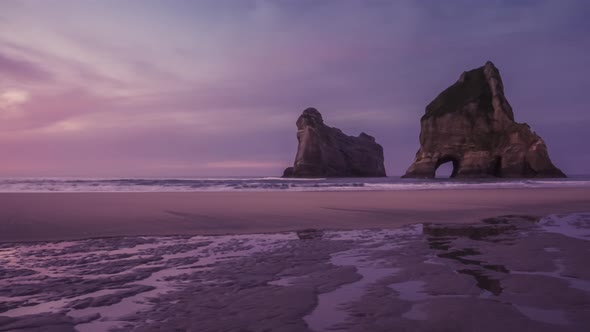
529 274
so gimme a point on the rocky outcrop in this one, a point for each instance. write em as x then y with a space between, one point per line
471 124
327 152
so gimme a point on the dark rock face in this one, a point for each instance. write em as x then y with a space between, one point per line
327 152
471 124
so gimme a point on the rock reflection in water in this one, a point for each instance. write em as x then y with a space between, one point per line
484 282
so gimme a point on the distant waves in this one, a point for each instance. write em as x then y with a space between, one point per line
271 184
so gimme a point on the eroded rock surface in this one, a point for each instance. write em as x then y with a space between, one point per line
471 124
324 151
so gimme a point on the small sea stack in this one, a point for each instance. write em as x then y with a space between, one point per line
471 125
324 151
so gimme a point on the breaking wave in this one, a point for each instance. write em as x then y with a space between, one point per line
272 184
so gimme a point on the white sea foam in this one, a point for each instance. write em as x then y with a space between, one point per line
572 225
272 184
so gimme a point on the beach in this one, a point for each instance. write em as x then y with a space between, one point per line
513 273
417 260
28 217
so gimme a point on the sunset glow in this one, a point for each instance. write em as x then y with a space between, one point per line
154 83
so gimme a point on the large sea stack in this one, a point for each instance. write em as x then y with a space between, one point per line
324 151
471 125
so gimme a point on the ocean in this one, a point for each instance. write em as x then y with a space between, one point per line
221 184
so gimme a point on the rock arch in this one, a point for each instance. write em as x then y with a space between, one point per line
473 122
448 159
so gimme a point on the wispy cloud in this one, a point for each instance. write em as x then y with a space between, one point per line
19 70
221 83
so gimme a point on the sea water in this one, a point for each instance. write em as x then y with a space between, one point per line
271 184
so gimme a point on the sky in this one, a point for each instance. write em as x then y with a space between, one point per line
213 88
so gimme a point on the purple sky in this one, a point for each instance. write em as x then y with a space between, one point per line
197 88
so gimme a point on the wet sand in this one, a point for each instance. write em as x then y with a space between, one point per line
513 273
68 216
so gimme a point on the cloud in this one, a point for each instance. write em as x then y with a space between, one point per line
222 83
10 99
22 71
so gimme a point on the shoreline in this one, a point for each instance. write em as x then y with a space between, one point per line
249 185
285 191
40 217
